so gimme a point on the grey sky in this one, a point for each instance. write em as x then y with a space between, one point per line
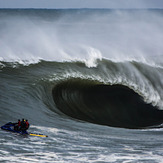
81 3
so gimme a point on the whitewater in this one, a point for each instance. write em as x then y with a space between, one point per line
90 79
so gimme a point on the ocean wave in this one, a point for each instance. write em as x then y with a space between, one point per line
112 105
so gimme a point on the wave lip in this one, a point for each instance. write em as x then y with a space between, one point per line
111 105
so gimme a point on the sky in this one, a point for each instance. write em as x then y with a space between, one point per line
81 4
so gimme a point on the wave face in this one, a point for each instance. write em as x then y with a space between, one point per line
88 94
112 105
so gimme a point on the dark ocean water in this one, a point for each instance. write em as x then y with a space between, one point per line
89 79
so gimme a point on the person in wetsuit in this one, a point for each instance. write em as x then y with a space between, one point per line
23 125
27 124
17 125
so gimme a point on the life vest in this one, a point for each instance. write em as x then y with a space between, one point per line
27 124
19 123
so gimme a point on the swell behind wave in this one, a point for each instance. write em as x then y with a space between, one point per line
112 105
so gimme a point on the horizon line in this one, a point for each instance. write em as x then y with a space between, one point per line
79 8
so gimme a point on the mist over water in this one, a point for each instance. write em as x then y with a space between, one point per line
83 35
85 78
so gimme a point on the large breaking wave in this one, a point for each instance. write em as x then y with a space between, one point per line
102 67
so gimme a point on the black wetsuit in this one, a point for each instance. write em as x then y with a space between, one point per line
23 126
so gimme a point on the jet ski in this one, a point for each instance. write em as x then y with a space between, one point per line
12 128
